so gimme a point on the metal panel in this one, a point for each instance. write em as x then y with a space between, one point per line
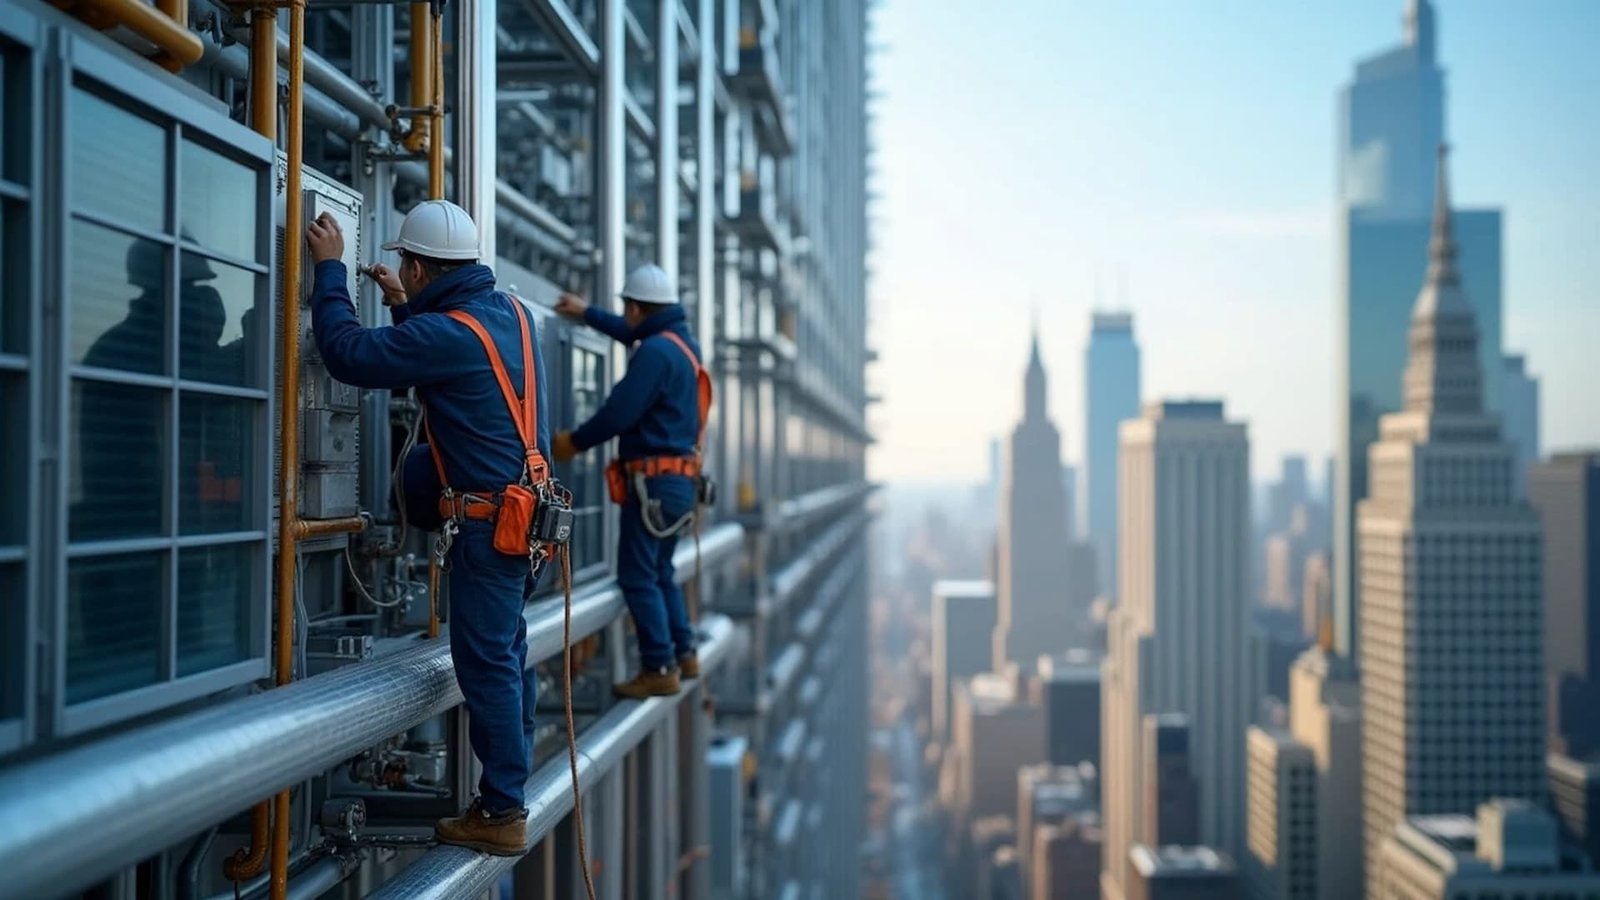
74 817
726 762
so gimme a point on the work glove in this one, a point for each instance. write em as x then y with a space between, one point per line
562 448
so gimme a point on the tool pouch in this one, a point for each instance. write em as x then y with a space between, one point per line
616 482
705 490
512 523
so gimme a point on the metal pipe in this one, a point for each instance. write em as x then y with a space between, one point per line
421 60
341 88
177 46
74 817
436 131
313 528
234 61
456 872
290 528
177 11
189 869
247 862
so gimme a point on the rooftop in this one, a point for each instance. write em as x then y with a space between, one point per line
1175 862
966 590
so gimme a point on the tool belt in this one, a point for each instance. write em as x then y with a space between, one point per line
662 465
484 507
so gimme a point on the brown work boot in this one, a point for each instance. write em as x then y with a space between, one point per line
505 834
663 683
689 666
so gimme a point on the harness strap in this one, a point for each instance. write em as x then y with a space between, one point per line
524 412
683 346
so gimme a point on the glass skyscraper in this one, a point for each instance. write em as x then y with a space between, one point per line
1391 126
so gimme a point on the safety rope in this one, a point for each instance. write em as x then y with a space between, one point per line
694 598
572 731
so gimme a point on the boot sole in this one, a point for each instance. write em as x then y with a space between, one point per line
482 847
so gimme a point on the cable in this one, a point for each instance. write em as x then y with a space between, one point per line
361 589
302 626
572 731
399 467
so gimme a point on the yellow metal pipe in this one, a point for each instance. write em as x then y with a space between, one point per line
289 524
246 862
311 528
421 74
436 135
264 72
177 45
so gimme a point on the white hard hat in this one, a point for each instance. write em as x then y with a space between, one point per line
437 229
650 284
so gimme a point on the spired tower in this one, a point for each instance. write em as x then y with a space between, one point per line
1450 583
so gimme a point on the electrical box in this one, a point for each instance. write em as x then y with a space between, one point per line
330 411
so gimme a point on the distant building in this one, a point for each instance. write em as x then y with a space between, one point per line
1520 411
1281 829
1325 716
1181 873
1566 491
1171 796
963 618
1451 604
1066 860
1180 623
997 732
1316 597
1070 694
1391 124
1511 850
1035 615
1575 798
987 838
1069 483
1111 396
1050 795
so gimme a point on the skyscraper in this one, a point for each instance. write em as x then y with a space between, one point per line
1566 492
1451 663
1510 849
963 619
1520 411
1281 831
1177 634
1392 120
1035 616
1111 395
1325 716
1070 694
1171 797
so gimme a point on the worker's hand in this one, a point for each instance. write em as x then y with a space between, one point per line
388 282
325 239
572 306
562 447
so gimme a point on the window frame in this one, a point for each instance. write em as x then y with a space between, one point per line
569 339
110 74
24 31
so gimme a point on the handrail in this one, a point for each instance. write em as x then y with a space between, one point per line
455 872
788 580
798 512
74 817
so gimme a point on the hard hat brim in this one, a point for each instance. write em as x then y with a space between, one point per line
430 253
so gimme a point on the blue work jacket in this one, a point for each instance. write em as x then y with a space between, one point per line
655 408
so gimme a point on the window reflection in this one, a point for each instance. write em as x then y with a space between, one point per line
584 476
15 277
118 163
14 450
215 471
113 624
12 633
120 434
218 321
214 587
118 299
216 193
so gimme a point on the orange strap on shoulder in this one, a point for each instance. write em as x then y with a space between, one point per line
702 383
524 413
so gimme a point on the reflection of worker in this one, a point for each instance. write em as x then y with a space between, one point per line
121 439
476 447
655 411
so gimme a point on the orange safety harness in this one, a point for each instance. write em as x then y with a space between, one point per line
527 514
618 472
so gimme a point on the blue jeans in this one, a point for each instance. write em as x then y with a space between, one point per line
645 574
489 643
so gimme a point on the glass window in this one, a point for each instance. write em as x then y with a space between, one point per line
119 163
585 475
119 438
218 197
213 625
12 626
216 464
14 450
118 299
15 278
114 630
217 322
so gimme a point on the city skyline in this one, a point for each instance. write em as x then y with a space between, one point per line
1203 237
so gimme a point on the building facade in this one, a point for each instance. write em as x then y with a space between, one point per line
1391 121
1282 818
1111 396
1451 622
1325 717
1565 490
1177 633
1034 572
1575 800
1181 873
1171 795
964 617
1066 860
1069 686
141 351
1510 849
1520 412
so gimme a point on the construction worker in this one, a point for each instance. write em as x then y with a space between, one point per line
657 412
462 345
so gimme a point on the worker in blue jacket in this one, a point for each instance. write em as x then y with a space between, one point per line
654 412
478 451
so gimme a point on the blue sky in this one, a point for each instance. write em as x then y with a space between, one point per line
1029 149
